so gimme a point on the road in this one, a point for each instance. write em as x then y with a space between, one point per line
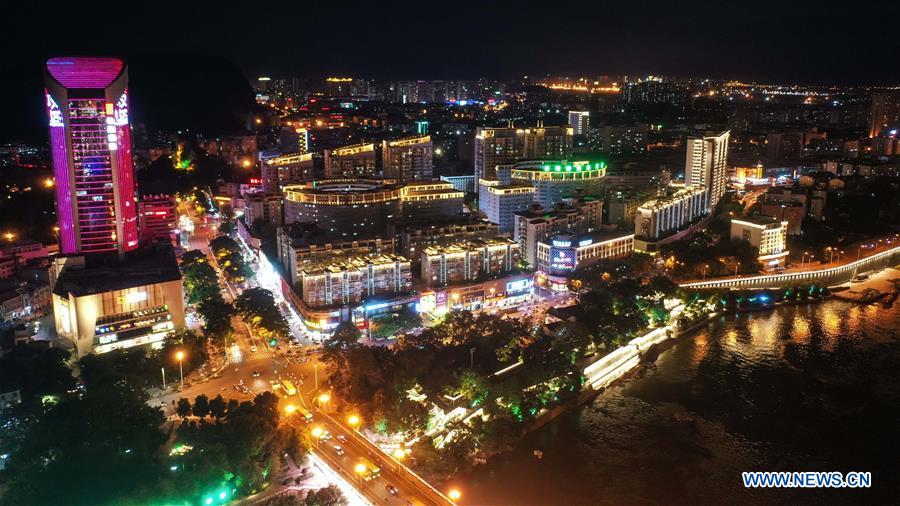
354 447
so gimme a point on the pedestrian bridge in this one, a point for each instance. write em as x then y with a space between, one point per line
830 276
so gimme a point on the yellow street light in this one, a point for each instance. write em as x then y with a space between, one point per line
399 454
353 420
180 356
324 398
9 236
360 468
454 494
290 408
316 432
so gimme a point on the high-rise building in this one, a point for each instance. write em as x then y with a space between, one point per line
350 161
885 113
286 169
707 164
500 146
338 86
408 159
90 139
580 121
499 202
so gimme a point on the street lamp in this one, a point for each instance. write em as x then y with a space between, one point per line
316 434
289 409
360 469
454 494
736 269
180 356
353 421
705 268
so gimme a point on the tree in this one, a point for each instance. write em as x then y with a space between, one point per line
112 427
36 371
201 406
217 407
257 307
183 407
328 496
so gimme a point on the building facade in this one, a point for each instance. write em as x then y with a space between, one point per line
413 237
767 235
350 161
469 260
263 206
707 164
286 169
104 307
351 280
564 255
580 121
555 181
408 159
670 212
158 217
503 146
499 203
90 142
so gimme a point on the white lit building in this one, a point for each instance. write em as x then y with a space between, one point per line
669 213
564 255
580 121
767 235
707 164
499 203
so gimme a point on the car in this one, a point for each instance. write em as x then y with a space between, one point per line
391 489
342 438
298 480
255 373
338 449
304 471
253 348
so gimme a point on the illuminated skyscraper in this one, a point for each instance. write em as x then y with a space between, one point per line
90 141
707 164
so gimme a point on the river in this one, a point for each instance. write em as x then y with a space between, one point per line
805 388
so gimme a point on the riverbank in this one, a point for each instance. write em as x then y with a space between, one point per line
748 391
884 284
628 361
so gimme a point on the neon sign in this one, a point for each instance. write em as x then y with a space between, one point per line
56 119
562 260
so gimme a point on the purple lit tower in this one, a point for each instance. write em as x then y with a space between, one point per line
90 139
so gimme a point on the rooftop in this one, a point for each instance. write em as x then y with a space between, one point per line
468 245
101 273
355 262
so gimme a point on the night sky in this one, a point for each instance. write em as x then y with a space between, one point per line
853 43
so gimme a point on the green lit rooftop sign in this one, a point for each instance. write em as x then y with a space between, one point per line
574 166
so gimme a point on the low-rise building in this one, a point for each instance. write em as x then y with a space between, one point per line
767 235
158 217
103 304
465 184
499 293
470 260
622 205
564 255
23 300
791 212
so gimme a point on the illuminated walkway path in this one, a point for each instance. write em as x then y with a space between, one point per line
828 277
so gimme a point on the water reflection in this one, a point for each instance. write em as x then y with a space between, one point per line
812 387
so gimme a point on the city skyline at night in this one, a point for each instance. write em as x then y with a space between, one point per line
507 253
